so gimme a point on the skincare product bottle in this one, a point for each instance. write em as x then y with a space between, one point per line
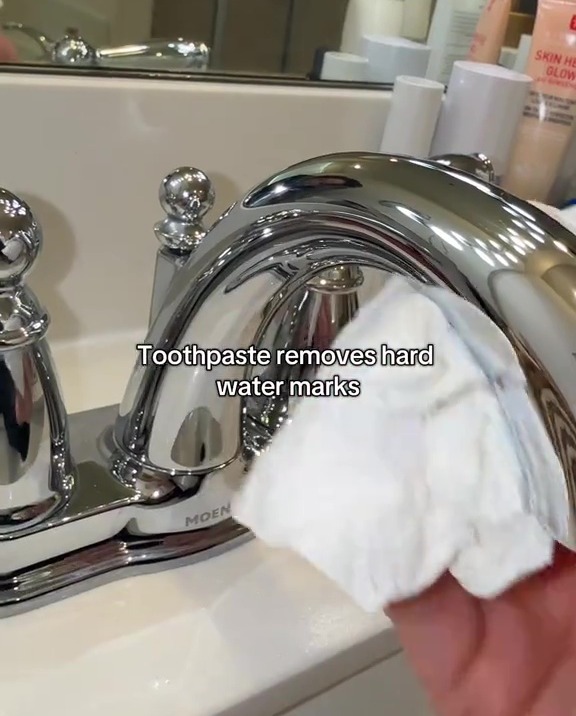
416 19
389 57
490 32
482 109
549 116
381 17
411 122
451 32
344 67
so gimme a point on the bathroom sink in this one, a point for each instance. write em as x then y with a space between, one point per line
253 631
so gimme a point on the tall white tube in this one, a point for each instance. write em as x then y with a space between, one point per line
481 113
414 111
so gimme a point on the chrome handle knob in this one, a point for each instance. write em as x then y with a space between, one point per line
186 195
479 165
20 238
22 320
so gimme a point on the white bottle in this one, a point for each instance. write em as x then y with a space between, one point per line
450 37
375 17
389 57
412 118
344 67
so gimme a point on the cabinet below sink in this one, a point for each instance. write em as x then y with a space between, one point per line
387 689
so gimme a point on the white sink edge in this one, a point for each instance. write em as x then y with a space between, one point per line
253 631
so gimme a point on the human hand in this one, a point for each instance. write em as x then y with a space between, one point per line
511 656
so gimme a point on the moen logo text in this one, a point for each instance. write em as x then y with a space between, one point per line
201 518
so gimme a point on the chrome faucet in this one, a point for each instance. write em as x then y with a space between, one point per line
149 483
74 50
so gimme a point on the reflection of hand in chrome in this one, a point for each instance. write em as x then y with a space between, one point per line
8 52
510 656
24 402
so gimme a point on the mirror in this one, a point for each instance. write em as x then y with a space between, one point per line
363 42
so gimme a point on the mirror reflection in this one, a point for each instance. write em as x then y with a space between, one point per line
354 41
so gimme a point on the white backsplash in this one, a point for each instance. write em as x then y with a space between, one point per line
88 154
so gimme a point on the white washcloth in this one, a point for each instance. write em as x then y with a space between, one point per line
431 468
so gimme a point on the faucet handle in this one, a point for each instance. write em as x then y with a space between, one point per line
20 240
186 195
479 165
35 462
22 319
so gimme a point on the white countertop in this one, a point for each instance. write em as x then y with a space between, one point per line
250 633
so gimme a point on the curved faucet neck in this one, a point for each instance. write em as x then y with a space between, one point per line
390 214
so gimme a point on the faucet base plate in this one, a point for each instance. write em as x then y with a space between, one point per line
95 539
124 555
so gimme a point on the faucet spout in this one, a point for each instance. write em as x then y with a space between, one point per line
289 264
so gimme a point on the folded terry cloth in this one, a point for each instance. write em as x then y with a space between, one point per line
431 468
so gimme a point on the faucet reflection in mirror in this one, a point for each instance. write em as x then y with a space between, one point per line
149 483
74 50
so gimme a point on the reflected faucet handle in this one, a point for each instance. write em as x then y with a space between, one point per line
186 195
73 49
